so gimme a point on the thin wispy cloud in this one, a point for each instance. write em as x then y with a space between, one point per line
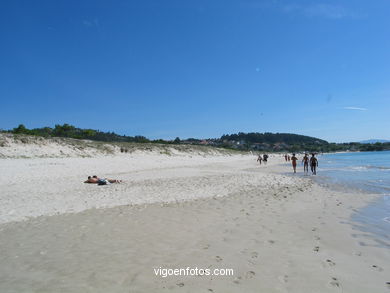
327 11
355 108
317 10
91 23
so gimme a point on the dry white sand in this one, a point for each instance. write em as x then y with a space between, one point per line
35 187
278 233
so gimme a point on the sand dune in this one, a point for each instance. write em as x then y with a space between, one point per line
18 146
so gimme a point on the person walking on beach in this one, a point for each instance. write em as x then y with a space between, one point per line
285 157
259 159
305 162
294 160
265 159
313 164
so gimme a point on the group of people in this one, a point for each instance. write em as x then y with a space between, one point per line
306 161
263 158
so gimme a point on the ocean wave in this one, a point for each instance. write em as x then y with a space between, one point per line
386 219
358 168
377 186
369 167
378 167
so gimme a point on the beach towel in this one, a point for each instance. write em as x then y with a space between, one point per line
103 182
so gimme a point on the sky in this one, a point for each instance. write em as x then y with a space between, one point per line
203 68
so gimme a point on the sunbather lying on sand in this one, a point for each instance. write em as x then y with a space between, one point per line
101 181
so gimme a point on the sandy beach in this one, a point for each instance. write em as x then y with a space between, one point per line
195 146
277 232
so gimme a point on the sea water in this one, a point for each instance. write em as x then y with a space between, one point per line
367 172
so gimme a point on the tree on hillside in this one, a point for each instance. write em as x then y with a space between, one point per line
21 129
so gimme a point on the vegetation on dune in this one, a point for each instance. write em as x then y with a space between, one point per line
71 131
282 142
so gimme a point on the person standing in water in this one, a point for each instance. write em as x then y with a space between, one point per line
313 164
305 162
294 160
259 159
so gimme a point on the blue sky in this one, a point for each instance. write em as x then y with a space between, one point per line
198 68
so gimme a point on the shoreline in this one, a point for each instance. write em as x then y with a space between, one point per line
374 220
277 234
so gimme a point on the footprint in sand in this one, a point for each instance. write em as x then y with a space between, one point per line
180 284
283 279
314 229
316 249
379 269
330 262
254 254
218 258
237 280
256 240
358 253
317 237
206 246
388 284
249 274
271 241
335 283
245 250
